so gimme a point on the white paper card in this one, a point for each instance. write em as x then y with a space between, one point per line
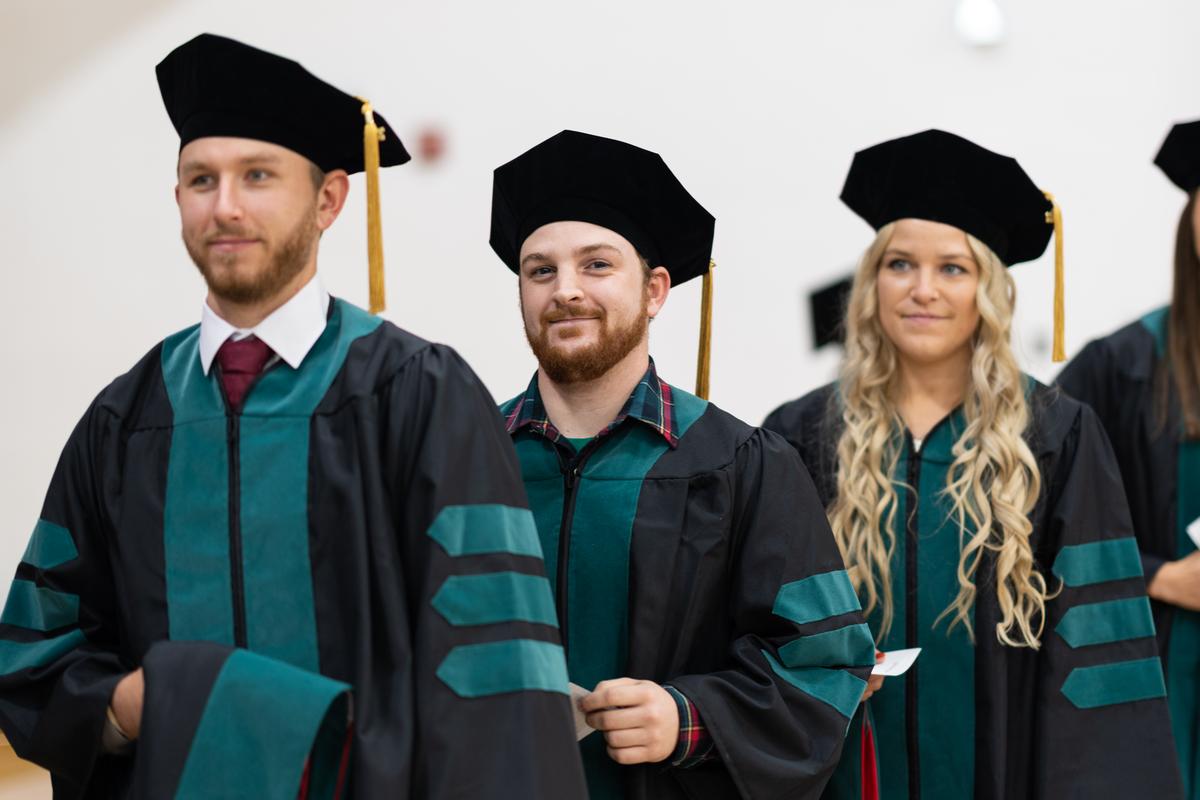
582 729
1193 530
896 662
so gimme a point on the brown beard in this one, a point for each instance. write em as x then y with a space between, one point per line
283 265
593 361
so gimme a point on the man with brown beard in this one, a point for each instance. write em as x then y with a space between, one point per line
288 553
700 594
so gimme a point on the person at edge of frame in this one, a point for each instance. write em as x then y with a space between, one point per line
1143 382
288 554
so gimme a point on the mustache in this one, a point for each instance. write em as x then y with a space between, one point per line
560 313
230 232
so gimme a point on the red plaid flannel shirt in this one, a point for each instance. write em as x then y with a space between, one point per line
695 744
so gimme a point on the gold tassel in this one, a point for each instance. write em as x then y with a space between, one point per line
704 357
372 136
1054 217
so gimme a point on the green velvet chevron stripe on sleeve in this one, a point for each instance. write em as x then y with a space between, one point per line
1097 562
848 646
834 687
1120 682
39 609
16 656
511 665
50 546
1109 621
816 597
487 528
495 597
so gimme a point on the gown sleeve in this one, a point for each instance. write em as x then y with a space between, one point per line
59 657
493 713
800 654
1092 379
1100 714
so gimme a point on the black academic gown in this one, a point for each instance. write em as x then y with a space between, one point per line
345 574
1118 376
1084 716
708 566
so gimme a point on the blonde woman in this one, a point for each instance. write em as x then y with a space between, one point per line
981 514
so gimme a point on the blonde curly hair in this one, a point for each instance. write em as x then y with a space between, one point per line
993 482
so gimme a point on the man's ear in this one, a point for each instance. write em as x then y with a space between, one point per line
657 289
331 197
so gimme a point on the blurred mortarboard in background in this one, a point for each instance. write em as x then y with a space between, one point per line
827 312
1179 156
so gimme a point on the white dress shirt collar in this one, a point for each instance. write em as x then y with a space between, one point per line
290 330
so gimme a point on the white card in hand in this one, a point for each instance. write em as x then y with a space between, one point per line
582 729
1193 530
896 662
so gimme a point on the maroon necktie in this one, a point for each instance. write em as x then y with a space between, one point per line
241 362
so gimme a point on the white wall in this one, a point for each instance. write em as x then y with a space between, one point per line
757 106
